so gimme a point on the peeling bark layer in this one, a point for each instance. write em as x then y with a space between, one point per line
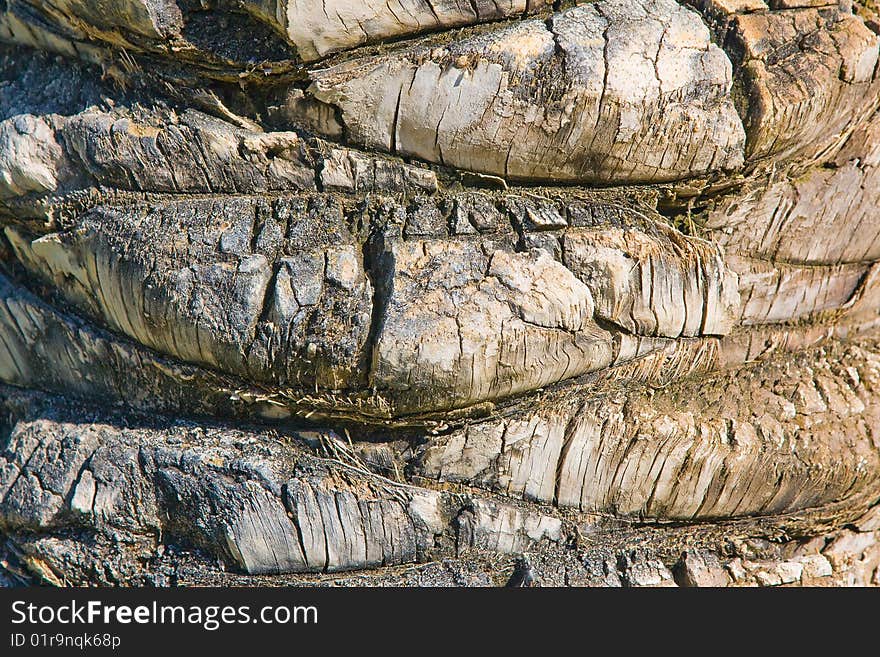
606 92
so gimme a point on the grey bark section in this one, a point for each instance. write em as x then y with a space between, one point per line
605 92
838 558
161 151
191 153
320 289
510 322
51 350
150 492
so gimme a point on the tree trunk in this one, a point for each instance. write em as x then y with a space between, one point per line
432 291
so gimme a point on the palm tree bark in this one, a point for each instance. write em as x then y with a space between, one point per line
430 291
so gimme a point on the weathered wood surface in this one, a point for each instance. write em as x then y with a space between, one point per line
319 30
764 440
411 283
270 506
606 92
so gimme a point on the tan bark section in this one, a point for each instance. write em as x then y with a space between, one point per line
604 92
319 28
825 215
764 440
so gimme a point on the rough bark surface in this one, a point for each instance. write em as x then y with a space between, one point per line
439 292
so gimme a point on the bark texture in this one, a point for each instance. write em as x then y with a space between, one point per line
439 292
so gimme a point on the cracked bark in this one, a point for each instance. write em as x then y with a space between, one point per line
394 293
